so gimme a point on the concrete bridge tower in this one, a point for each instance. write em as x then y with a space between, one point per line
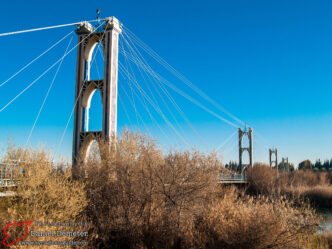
273 162
88 38
284 161
249 149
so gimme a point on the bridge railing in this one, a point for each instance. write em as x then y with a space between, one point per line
9 171
232 178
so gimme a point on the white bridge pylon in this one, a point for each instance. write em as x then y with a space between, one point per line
88 38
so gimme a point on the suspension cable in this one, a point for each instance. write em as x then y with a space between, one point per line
143 64
135 56
39 77
76 100
46 96
44 28
147 110
225 152
143 102
27 65
125 111
146 96
172 86
171 69
226 141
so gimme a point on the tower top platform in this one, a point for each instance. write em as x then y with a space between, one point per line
110 23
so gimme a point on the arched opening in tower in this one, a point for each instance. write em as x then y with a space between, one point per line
97 62
245 157
93 153
245 142
96 112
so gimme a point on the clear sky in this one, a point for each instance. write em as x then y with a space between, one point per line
267 62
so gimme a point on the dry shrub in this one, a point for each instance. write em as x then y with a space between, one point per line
311 186
134 196
328 238
298 185
3 224
320 195
318 242
140 198
308 178
235 223
262 179
321 241
43 193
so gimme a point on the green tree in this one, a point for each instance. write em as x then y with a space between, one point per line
326 164
232 166
318 164
305 165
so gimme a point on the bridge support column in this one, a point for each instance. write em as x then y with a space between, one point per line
88 38
284 161
249 149
273 162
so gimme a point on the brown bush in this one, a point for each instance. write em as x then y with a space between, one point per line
3 224
134 196
308 178
328 238
43 193
138 197
262 179
233 223
319 196
298 185
321 241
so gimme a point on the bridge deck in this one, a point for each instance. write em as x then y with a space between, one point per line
232 179
8 171
7 183
7 194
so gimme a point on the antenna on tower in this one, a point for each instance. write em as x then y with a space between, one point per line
98 13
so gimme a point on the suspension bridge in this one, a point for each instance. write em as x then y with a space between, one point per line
141 86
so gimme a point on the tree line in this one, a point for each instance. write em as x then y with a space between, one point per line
317 166
282 166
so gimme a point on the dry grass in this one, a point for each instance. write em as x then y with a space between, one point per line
138 197
262 179
328 238
43 193
247 222
321 241
301 185
320 195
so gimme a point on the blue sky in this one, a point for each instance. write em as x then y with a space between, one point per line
267 62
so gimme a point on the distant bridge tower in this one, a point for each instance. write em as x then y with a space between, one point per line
284 162
273 162
88 38
249 149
